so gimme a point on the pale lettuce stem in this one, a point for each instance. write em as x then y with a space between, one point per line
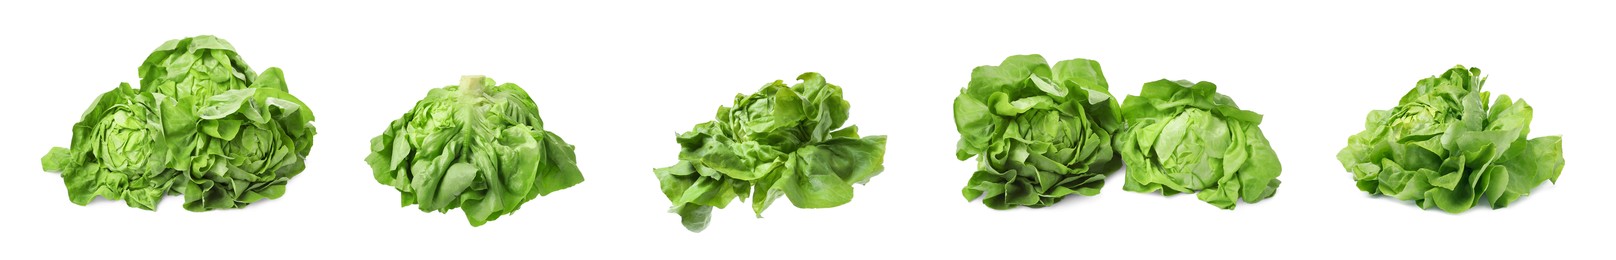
471 85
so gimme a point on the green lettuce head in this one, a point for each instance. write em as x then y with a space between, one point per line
478 147
781 140
1182 137
1038 133
192 69
1445 146
246 145
119 151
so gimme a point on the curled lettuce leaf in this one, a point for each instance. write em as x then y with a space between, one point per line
202 124
477 146
1038 133
1445 146
1184 137
781 140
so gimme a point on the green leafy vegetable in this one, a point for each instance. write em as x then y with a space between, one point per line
119 151
476 146
782 140
248 143
1444 145
1181 137
195 68
1038 134
202 125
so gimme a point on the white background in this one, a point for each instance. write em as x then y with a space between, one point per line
619 79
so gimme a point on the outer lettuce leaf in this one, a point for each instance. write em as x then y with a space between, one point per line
1445 146
476 146
1182 137
780 141
1038 133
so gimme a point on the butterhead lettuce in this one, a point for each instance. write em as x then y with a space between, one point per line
119 151
1445 146
1039 133
1183 137
780 141
477 146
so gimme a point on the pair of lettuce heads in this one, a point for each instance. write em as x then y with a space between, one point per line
1042 132
483 148
202 124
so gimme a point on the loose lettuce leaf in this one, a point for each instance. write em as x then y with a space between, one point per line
1445 146
780 141
1183 137
476 146
202 125
1038 133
